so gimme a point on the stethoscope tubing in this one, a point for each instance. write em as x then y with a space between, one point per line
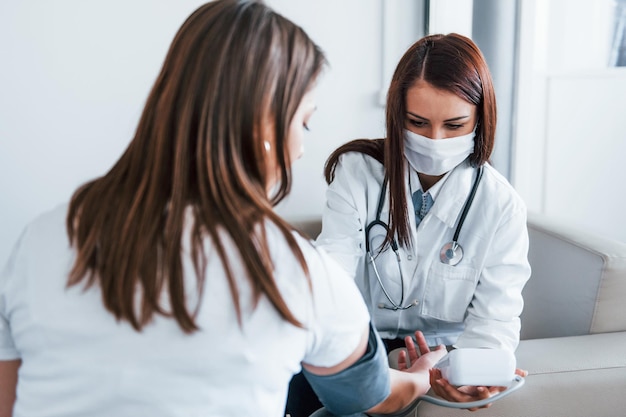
454 245
394 243
468 204
517 383
451 253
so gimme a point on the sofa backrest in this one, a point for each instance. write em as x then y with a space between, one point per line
578 281
310 228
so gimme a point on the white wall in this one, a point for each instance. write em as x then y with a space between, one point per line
75 74
569 135
348 92
585 147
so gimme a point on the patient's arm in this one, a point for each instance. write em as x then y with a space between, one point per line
364 382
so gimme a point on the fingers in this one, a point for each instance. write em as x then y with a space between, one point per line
436 373
411 350
421 342
481 393
402 361
495 390
442 388
435 376
521 372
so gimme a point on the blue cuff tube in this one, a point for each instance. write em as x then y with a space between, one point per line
358 388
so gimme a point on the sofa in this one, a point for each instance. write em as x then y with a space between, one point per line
573 326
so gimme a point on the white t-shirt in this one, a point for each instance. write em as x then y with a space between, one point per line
77 360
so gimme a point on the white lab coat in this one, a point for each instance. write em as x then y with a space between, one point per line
476 303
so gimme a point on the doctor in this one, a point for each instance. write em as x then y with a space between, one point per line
429 190
434 236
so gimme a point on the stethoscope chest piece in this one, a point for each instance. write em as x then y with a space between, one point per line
451 253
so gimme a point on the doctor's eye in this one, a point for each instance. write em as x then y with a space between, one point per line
417 123
453 126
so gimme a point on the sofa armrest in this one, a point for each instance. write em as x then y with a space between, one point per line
578 281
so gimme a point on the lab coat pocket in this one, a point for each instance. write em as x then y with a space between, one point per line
449 291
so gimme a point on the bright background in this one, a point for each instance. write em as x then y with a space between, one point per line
74 76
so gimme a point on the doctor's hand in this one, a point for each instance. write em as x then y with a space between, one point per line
462 394
420 358
448 392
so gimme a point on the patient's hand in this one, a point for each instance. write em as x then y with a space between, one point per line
420 357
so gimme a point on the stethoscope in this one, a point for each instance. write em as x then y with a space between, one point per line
451 253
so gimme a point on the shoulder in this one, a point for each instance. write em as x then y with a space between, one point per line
501 193
332 292
50 220
360 166
320 265
45 229
326 275
42 248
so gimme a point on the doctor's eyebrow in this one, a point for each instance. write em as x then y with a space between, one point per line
453 119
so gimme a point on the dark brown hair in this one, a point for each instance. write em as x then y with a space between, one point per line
198 149
448 62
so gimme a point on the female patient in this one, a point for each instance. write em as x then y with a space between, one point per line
169 286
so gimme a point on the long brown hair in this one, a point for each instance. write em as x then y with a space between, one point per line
451 63
198 148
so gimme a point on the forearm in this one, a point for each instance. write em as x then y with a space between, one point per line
406 387
493 317
488 333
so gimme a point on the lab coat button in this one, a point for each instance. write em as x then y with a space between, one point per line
410 257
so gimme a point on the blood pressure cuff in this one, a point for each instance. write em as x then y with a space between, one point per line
358 388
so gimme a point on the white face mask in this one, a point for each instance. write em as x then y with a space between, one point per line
436 156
